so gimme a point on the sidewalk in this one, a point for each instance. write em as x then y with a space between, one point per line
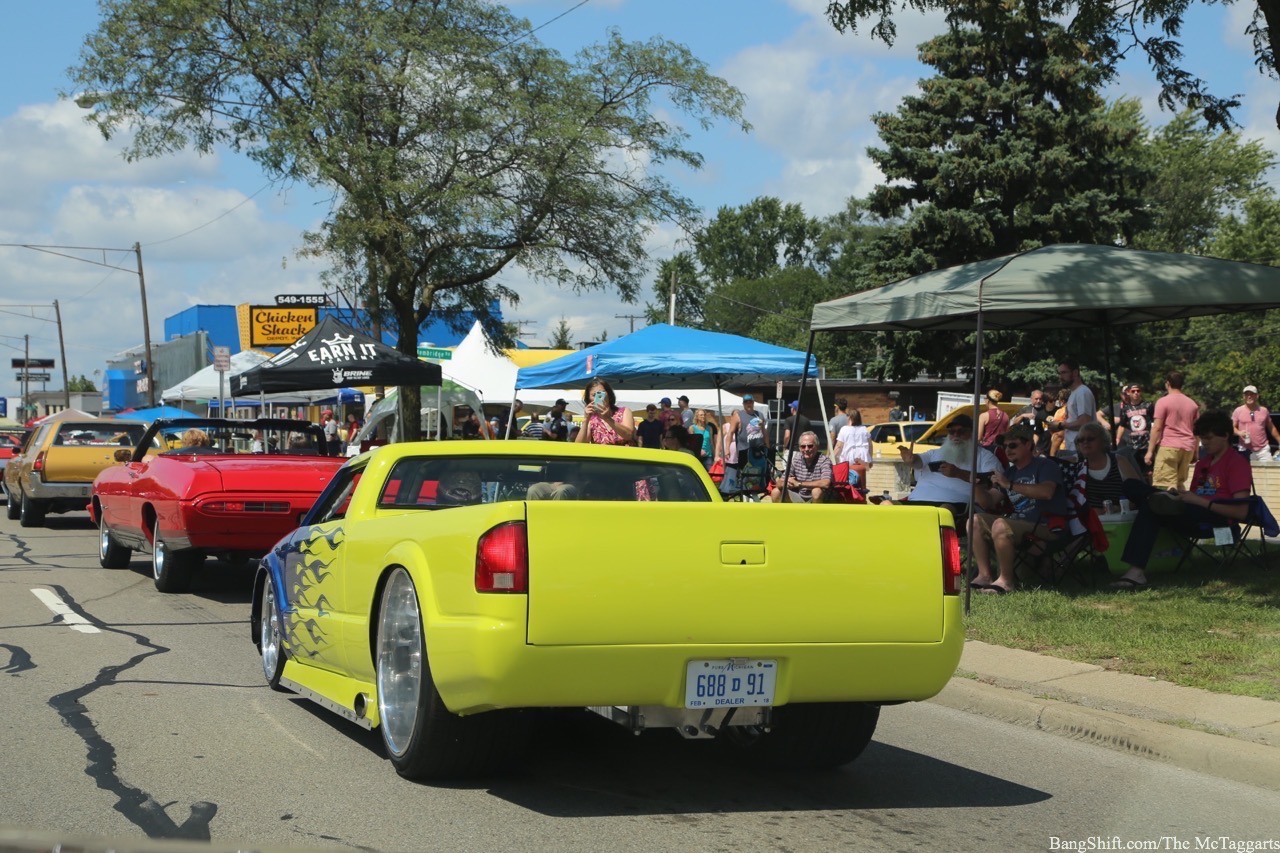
1232 737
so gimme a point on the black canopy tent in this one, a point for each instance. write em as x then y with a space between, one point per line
1067 286
334 355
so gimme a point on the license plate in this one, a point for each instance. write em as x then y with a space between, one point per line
732 683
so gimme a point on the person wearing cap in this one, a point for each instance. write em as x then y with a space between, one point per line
556 427
746 440
668 415
686 413
794 424
333 444
1035 488
1252 424
650 430
942 473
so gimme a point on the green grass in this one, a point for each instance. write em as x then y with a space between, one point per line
1198 628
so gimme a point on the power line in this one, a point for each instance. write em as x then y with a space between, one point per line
524 36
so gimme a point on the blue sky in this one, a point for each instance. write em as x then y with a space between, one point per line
213 232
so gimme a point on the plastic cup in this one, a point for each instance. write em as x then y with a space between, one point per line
1125 506
1108 508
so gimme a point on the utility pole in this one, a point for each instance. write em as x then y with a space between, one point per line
62 347
631 317
146 330
26 376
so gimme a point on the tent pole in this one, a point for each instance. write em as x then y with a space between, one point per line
439 411
1112 426
822 407
973 464
791 447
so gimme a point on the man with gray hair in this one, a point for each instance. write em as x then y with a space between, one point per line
809 474
942 474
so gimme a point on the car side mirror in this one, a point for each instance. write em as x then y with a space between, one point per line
123 454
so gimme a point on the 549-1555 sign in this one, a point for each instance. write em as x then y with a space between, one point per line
271 325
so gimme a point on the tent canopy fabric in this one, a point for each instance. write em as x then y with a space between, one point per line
671 357
203 384
1063 286
334 355
151 413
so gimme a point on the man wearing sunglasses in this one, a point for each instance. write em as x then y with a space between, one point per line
1252 424
1034 488
809 474
1134 433
942 474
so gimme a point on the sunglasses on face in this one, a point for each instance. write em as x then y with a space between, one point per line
1013 445
808 446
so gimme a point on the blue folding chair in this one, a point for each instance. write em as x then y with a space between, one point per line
1259 519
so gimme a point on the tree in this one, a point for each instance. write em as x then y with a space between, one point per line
1008 147
1199 177
456 144
562 337
691 292
754 240
1109 29
81 383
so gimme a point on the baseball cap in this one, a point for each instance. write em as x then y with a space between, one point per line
746 397
962 421
665 401
1251 389
1133 385
327 412
795 404
683 397
561 402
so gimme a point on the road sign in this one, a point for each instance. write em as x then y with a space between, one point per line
37 363
432 352
33 377
221 359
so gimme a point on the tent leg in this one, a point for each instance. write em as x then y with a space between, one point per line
822 407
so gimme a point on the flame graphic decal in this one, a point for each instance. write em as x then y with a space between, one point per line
305 580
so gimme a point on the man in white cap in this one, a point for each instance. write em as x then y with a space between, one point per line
1252 424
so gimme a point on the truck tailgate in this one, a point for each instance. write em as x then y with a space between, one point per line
656 574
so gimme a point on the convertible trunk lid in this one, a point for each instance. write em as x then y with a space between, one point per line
273 474
656 574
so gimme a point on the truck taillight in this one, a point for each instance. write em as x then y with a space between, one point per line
951 567
502 559
38 465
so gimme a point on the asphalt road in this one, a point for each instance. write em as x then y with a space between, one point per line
138 715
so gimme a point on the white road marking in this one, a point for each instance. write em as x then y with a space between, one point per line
70 618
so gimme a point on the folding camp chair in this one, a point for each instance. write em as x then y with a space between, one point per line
1204 541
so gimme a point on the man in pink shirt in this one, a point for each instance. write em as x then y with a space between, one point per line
1173 440
1252 423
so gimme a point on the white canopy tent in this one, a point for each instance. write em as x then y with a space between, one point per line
203 384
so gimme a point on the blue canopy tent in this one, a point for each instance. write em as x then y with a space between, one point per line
663 356
153 412
672 357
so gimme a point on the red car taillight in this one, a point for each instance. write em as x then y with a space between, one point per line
951 567
246 506
502 559
38 465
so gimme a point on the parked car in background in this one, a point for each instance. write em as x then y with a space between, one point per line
886 437
55 469
232 498
938 429
11 439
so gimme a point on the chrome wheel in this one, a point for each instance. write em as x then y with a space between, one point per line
399 675
172 570
159 556
111 554
269 642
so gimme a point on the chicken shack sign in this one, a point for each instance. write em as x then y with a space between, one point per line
276 326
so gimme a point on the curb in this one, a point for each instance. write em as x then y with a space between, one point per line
1224 757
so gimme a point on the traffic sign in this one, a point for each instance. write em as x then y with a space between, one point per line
432 352
221 359
33 377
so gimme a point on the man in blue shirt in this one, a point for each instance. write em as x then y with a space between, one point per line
1034 487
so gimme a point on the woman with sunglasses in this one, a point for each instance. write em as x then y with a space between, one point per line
1101 472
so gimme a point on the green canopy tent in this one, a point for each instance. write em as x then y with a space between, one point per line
1068 286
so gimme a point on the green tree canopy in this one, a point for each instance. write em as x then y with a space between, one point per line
455 142
1108 30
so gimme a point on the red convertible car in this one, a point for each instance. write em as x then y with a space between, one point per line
201 487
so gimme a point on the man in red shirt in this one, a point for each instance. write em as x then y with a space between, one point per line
1222 480
1253 424
1173 438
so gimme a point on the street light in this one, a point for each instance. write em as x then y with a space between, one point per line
142 287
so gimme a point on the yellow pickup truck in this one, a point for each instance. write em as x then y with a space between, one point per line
435 589
55 469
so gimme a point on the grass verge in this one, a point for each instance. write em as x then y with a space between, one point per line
1198 628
